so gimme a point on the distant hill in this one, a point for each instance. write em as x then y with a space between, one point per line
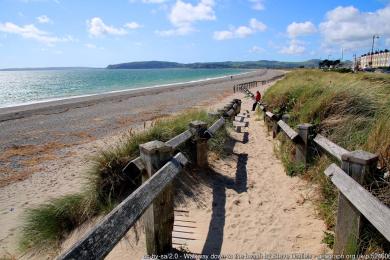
146 65
197 65
213 65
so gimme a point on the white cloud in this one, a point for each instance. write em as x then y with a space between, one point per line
295 47
257 4
96 28
256 25
349 28
183 15
29 31
256 49
90 45
296 29
241 31
43 19
223 35
132 25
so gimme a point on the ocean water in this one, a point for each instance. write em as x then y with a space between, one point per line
21 87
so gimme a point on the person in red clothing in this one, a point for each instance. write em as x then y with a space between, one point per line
258 97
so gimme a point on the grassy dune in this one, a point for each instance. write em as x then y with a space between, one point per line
352 110
47 225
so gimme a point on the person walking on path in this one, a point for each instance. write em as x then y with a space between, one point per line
257 98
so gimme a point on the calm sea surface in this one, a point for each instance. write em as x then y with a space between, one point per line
20 87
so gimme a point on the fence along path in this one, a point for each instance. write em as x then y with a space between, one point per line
154 198
354 201
254 205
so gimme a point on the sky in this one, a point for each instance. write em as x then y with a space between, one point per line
44 33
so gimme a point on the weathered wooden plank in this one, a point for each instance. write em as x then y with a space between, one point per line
270 115
243 114
179 139
98 242
375 211
138 164
214 127
239 118
134 167
230 112
241 124
330 147
288 130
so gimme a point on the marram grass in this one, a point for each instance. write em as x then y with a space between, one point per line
352 110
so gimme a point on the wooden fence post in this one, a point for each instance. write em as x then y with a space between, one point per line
238 108
200 143
159 217
275 127
356 164
264 115
303 149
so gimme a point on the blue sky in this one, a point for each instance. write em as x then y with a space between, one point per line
35 33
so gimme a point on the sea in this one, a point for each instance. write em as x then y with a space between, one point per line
35 86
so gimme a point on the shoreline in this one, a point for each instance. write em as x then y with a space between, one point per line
41 106
48 155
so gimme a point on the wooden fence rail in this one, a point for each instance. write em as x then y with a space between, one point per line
153 200
97 243
253 84
354 201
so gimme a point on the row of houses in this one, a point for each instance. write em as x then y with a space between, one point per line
378 59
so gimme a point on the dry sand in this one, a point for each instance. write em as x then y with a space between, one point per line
246 205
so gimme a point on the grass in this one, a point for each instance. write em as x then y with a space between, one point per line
352 110
47 225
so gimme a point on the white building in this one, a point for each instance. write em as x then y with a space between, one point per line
377 60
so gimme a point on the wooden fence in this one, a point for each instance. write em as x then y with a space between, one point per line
254 84
159 163
348 175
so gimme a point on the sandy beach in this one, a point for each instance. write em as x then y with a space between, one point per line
244 206
45 147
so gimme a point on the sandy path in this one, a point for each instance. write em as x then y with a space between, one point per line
249 206
254 206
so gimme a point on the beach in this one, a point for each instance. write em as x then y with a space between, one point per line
46 147
245 205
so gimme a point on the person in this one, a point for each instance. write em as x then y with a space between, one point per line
257 98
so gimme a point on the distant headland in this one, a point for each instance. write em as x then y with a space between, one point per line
216 65
260 64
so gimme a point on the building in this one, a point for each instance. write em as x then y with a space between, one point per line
379 59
